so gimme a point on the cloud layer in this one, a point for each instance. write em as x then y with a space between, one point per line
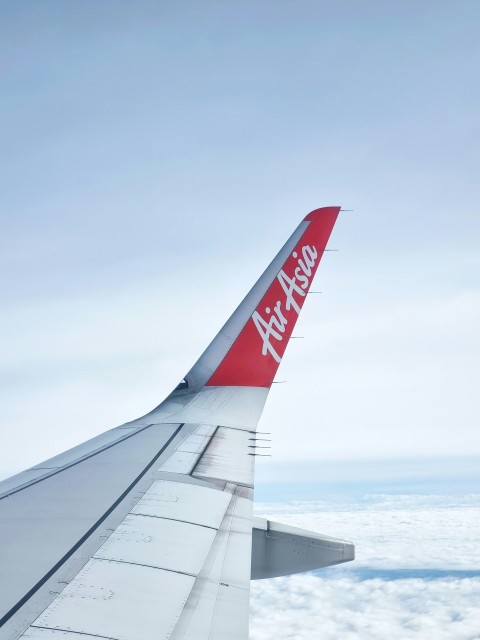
417 573
307 607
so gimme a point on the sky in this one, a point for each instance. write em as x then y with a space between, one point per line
154 158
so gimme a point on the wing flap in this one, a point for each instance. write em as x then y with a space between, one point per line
172 545
157 572
119 600
185 502
217 607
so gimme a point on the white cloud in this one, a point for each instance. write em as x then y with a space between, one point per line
431 538
310 607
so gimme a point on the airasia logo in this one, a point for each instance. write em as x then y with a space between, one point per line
275 326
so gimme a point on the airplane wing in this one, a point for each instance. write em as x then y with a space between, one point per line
145 532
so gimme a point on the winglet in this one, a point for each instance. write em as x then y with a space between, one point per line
249 348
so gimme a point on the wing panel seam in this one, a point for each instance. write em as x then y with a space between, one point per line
141 564
79 633
195 524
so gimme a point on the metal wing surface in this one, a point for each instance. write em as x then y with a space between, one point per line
145 532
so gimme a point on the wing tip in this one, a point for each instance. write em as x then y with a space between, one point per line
322 211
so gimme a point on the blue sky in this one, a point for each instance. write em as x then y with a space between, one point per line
154 158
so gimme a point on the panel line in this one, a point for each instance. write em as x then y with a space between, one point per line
80 633
195 524
141 564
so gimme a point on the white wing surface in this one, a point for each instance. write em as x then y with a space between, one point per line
145 532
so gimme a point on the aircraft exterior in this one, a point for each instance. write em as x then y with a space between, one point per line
146 532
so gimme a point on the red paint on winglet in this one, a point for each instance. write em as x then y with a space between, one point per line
317 213
254 357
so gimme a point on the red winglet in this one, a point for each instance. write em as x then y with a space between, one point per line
254 357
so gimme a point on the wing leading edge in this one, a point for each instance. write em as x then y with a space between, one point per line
146 530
